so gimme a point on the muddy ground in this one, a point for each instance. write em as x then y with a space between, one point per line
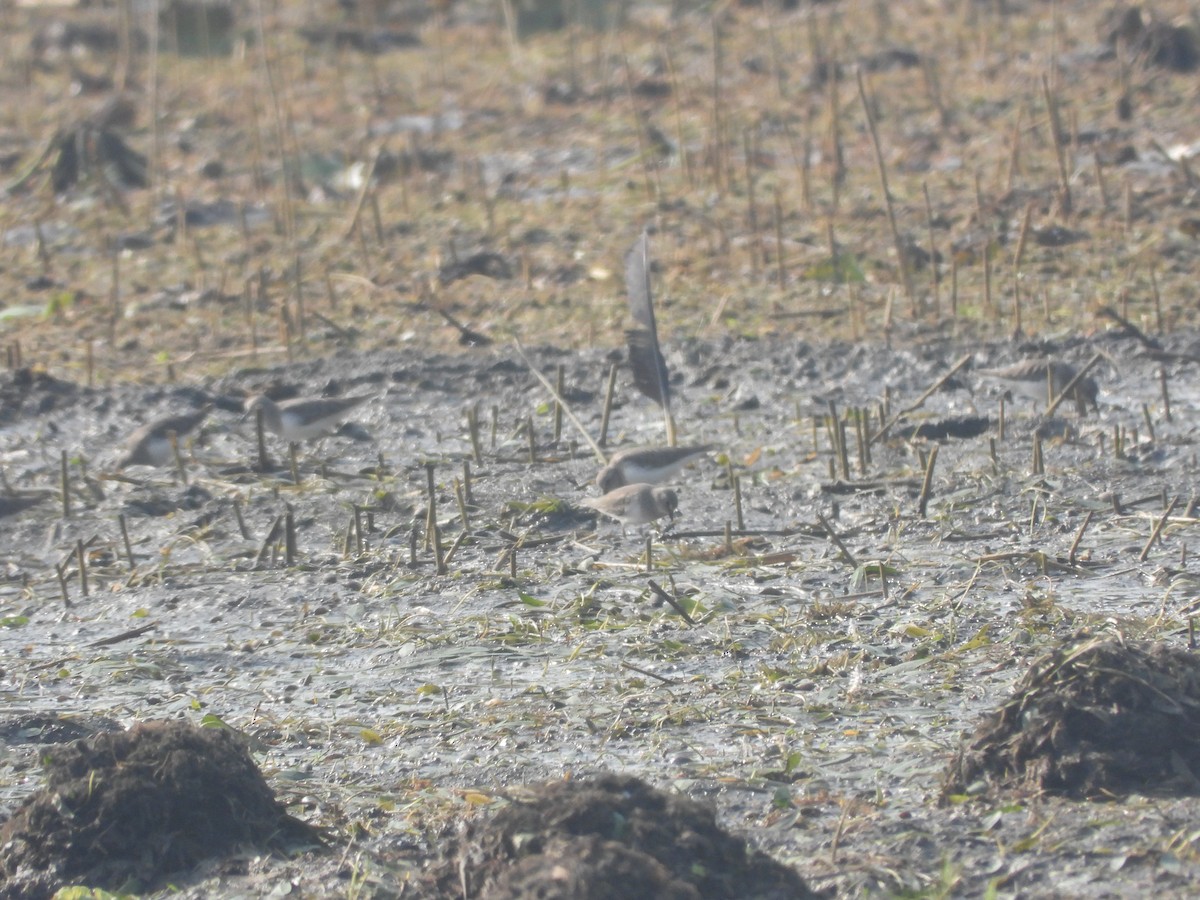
355 179
815 705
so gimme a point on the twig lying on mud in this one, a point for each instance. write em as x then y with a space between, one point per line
1158 527
833 536
670 601
124 635
648 674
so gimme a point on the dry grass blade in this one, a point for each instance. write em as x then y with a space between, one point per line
562 404
933 389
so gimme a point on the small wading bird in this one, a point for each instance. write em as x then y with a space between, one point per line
1036 377
635 504
647 465
150 445
303 418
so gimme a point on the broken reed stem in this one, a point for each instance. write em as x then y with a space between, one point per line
1166 395
461 497
458 542
352 221
1087 520
649 553
988 305
268 74
1060 154
558 408
241 521
609 393
125 540
473 432
780 268
1158 319
935 274
289 537
833 536
62 584
269 541
431 508
1038 468
927 483
438 553
860 427
180 469
737 502
843 452
65 483
468 493
532 439
670 601
81 559
1158 527
1018 258
264 461
889 207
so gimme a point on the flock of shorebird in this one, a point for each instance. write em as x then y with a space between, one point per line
631 482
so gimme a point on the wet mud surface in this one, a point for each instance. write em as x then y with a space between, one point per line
813 696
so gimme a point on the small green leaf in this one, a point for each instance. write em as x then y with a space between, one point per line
792 761
530 600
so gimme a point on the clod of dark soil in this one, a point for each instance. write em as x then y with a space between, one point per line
122 810
1093 718
611 837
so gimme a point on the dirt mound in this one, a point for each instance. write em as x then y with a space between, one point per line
1093 718
612 837
124 809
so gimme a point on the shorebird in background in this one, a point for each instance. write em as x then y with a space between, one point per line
150 445
1032 376
647 465
303 418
